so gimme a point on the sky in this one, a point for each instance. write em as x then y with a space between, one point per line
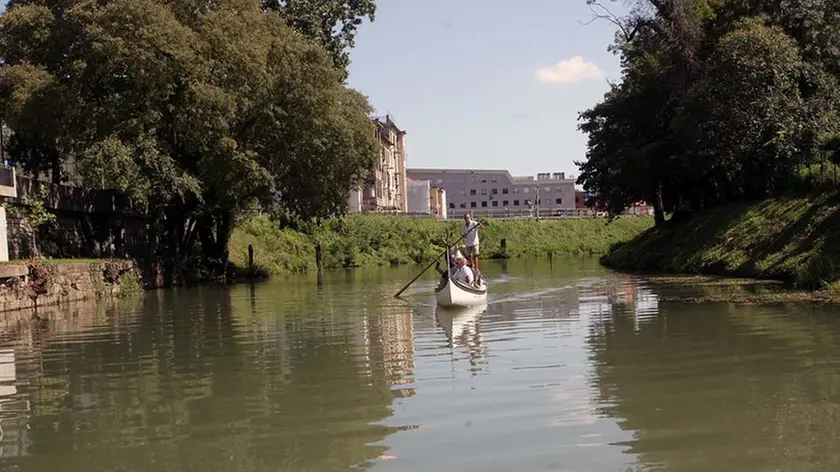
483 84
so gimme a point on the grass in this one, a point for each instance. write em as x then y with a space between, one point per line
794 240
377 240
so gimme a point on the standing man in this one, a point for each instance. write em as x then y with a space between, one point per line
471 239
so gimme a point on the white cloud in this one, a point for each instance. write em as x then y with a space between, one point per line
570 71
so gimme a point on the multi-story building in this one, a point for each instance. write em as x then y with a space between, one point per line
497 193
384 188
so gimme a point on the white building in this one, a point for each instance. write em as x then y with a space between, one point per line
497 193
418 196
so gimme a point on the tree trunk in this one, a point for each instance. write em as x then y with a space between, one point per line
658 206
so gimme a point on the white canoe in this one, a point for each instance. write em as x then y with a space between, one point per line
457 294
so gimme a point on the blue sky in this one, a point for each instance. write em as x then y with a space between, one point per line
460 76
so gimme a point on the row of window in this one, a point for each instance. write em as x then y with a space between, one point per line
472 180
495 203
495 191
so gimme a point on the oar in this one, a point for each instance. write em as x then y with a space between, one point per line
435 260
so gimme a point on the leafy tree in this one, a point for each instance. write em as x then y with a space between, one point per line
197 110
719 100
331 23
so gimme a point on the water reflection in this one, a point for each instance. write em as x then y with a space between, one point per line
739 388
568 367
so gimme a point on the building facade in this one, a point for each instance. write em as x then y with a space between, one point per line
384 188
497 193
418 196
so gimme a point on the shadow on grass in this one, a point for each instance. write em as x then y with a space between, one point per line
795 240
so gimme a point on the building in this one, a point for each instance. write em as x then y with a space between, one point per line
418 196
497 193
384 188
437 203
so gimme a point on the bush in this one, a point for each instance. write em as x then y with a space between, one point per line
380 240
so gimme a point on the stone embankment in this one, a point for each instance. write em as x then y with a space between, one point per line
40 283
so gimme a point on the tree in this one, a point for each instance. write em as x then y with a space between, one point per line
718 101
331 23
198 111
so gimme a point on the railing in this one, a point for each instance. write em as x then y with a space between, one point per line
456 213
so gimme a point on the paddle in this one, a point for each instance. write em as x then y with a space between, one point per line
435 260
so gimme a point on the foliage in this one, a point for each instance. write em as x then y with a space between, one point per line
199 111
718 101
377 240
331 23
32 209
793 239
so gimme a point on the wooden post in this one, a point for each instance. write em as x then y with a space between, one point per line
503 246
250 255
318 257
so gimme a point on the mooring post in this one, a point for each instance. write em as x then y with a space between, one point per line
318 260
250 255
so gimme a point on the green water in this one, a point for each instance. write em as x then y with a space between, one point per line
569 367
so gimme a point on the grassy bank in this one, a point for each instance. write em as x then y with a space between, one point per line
371 240
795 240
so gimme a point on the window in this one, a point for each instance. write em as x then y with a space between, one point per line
472 191
463 193
495 191
452 205
484 181
495 203
494 180
516 203
504 203
559 201
504 191
483 204
516 190
472 204
463 205
440 181
548 189
526 190
484 191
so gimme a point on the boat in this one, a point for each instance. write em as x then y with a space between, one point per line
452 293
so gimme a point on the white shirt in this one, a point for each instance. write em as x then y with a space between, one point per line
472 238
464 275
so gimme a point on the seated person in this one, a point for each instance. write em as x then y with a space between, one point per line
463 273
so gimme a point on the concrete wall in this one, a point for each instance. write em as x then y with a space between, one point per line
418 196
4 236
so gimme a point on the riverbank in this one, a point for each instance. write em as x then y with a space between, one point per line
42 283
792 240
378 240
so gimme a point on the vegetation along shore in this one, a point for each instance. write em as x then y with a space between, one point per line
726 121
375 240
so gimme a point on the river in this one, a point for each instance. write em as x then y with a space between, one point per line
569 367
